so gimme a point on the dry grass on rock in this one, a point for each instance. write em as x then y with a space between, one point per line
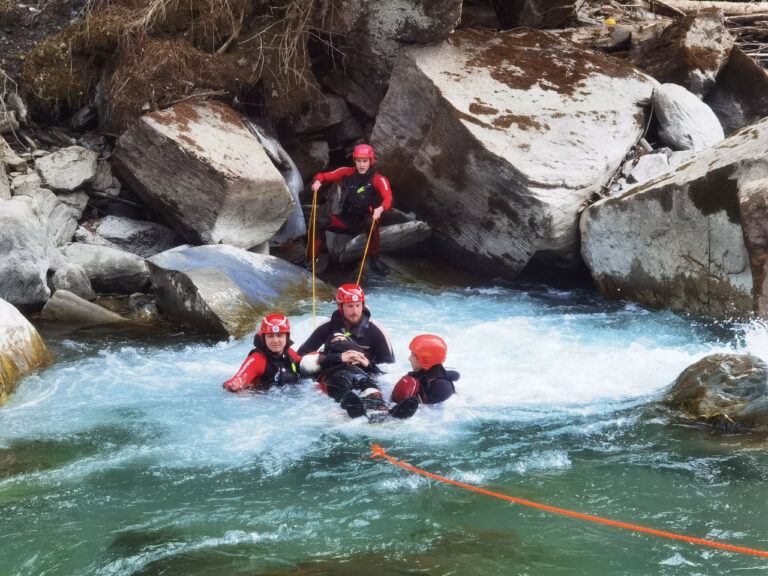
166 51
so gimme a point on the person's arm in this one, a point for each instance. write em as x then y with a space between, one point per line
315 340
382 187
335 176
381 347
252 369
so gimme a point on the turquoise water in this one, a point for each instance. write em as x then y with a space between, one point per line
127 457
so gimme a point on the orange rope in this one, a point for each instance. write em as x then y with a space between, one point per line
379 452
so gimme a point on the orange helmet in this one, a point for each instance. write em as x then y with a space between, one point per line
363 151
275 324
429 349
349 293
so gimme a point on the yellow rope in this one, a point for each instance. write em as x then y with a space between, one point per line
313 218
362 264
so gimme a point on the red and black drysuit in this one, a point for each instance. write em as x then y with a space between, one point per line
360 195
263 367
435 384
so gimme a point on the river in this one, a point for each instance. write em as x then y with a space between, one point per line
127 457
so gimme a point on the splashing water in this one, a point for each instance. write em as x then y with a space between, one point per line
127 457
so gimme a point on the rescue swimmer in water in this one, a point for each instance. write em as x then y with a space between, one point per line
272 360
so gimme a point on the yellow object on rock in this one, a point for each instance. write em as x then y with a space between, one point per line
610 21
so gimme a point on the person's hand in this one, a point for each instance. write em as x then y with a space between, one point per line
355 357
378 212
235 384
316 185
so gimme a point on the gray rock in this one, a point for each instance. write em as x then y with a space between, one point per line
67 169
224 290
690 52
26 251
310 158
693 239
647 167
22 350
685 122
493 141
740 96
5 187
392 238
139 237
64 306
72 278
323 112
109 269
198 166
729 391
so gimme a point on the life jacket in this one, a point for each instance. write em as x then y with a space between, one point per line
280 369
436 384
358 196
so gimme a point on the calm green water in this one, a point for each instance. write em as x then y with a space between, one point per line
127 457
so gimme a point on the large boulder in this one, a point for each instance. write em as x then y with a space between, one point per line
690 52
740 96
109 269
497 139
225 291
373 31
694 239
22 350
26 253
200 168
729 391
536 13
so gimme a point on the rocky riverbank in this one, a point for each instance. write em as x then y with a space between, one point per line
159 151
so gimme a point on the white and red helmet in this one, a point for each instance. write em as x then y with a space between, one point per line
275 324
349 293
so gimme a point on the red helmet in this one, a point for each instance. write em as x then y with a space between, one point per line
429 349
405 387
275 324
349 293
363 151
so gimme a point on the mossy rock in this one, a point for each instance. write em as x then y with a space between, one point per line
726 390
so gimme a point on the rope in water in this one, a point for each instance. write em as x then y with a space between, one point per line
379 452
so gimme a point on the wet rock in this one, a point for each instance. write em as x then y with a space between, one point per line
198 166
326 111
740 96
72 278
685 122
498 139
536 13
225 291
109 269
690 52
310 158
64 306
139 237
647 167
26 251
392 238
10 157
5 186
693 239
22 350
728 391
67 169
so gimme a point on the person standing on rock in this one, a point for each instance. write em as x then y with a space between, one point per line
272 361
365 195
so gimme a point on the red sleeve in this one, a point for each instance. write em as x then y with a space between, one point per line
294 356
251 370
381 184
336 175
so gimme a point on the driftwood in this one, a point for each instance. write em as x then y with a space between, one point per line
727 8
